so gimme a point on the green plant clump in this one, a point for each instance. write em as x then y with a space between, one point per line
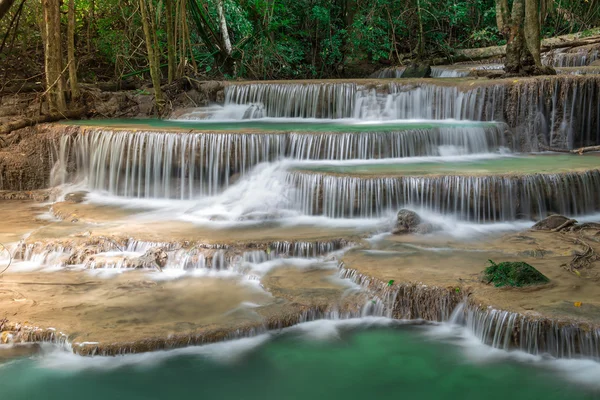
514 274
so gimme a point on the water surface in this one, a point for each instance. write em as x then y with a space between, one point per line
321 360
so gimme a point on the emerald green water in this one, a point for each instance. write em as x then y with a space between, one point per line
376 363
299 125
525 164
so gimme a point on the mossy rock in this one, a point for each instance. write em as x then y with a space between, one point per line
513 274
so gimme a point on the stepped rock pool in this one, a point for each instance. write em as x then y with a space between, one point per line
353 359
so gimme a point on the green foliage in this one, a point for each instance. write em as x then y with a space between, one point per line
514 274
285 39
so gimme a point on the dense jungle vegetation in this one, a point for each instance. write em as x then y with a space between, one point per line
268 39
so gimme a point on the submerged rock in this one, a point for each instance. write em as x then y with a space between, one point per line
154 257
513 274
76 197
549 223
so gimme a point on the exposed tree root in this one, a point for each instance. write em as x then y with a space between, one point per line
567 224
581 260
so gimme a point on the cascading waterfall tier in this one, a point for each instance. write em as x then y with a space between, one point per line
189 165
561 111
577 57
110 253
488 198
500 329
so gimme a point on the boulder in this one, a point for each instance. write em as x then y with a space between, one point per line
595 63
549 223
407 218
513 274
408 221
417 70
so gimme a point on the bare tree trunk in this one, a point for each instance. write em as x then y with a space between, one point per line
5 6
532 30
55 83
223 28
502 15
421 42
226 49
90 27
153 59
171 54
74 85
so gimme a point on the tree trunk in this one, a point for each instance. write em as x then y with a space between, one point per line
171 57
71 52
153 59
502 15
421 42
532 30
5 6
223 28
90 27
519 60
226 48
55 83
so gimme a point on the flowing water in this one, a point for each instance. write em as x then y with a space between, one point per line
369 358
299 172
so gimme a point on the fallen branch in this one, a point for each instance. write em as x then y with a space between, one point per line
25 122
580 150
482 53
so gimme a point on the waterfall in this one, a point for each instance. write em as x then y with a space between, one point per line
473 198
186 166
579 57
388 73
448 72
506 330
559 111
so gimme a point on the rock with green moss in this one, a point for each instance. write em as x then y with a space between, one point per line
514 274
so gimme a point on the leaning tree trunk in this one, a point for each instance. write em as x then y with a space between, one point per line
226 48
153 59
55 83
73 84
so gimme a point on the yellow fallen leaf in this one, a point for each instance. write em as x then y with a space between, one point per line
577 273
577 304
515 81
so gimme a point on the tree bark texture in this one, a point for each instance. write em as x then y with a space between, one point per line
73 83
532 30
55 83
153 56
171 54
